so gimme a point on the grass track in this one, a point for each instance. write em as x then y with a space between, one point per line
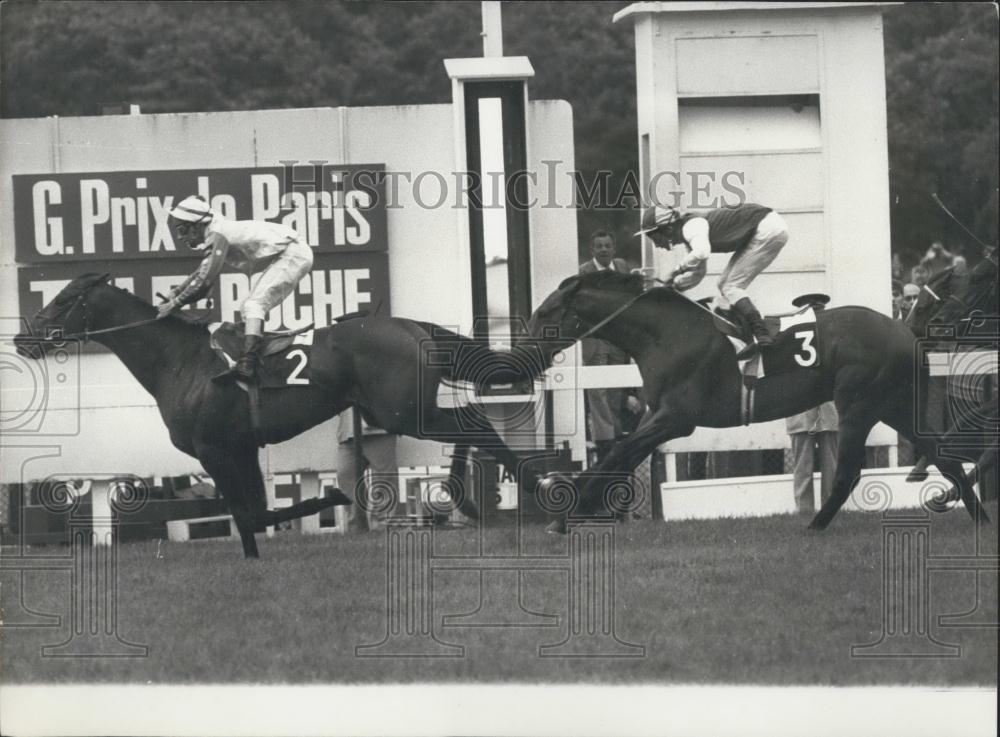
745 601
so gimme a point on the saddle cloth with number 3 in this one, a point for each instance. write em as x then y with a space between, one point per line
796 346
284 358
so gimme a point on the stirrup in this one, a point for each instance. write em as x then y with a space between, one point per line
755 347
749 352
235 373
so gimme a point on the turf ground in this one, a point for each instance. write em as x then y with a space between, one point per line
735 601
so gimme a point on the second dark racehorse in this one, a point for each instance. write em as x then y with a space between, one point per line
691 379
955 306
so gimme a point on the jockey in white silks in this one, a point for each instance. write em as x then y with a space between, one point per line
252 247
754 234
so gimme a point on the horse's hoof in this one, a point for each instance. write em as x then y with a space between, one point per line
338 498
915 477
470 509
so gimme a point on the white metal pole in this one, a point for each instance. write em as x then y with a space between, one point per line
492 28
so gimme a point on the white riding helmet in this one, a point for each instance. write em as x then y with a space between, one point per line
193 209
657 217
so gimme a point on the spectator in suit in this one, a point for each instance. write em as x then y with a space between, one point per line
910 294
378 453
897 268
897 300
919 275
813 434
606 406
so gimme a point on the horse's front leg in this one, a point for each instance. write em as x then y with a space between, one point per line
654 429
230 480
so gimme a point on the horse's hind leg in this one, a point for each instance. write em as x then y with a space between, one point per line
901 421
456 483
987 416
856 421
469 430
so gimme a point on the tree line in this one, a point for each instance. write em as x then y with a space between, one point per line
63 58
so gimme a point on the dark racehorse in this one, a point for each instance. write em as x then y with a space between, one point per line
374 364
958 302
691 379
951 299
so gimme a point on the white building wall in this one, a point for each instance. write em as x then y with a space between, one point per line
838 191
833 190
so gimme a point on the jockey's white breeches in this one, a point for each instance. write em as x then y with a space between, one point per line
277 281
749 261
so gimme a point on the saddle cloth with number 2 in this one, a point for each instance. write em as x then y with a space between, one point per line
285 359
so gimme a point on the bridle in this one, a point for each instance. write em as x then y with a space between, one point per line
86 333
579 323
963 305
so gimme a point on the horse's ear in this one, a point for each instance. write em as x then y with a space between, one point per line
575 279
573 287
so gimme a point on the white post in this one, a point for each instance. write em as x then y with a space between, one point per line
100 501
492 28
269 490
309 488
670 467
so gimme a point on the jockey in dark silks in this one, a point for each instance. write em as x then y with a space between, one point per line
754 235
250 246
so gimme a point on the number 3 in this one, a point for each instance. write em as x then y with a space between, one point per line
809 359
294 378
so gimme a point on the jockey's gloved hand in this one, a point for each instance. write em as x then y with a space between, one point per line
165 308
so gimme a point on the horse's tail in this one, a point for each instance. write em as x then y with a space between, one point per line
472 359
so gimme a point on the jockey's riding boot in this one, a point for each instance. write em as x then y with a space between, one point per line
761 336
246 367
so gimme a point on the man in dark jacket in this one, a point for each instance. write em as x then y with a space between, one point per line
606 406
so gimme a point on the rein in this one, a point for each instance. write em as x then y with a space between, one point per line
632 301
81 300
87 332
610 317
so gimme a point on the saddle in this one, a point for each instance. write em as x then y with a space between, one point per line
733 325
228 337
795 346
285 360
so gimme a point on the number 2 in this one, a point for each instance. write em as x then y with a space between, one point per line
294 378
809 359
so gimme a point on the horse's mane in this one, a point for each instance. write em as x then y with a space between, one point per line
87 281
609 280
627 284
985 269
